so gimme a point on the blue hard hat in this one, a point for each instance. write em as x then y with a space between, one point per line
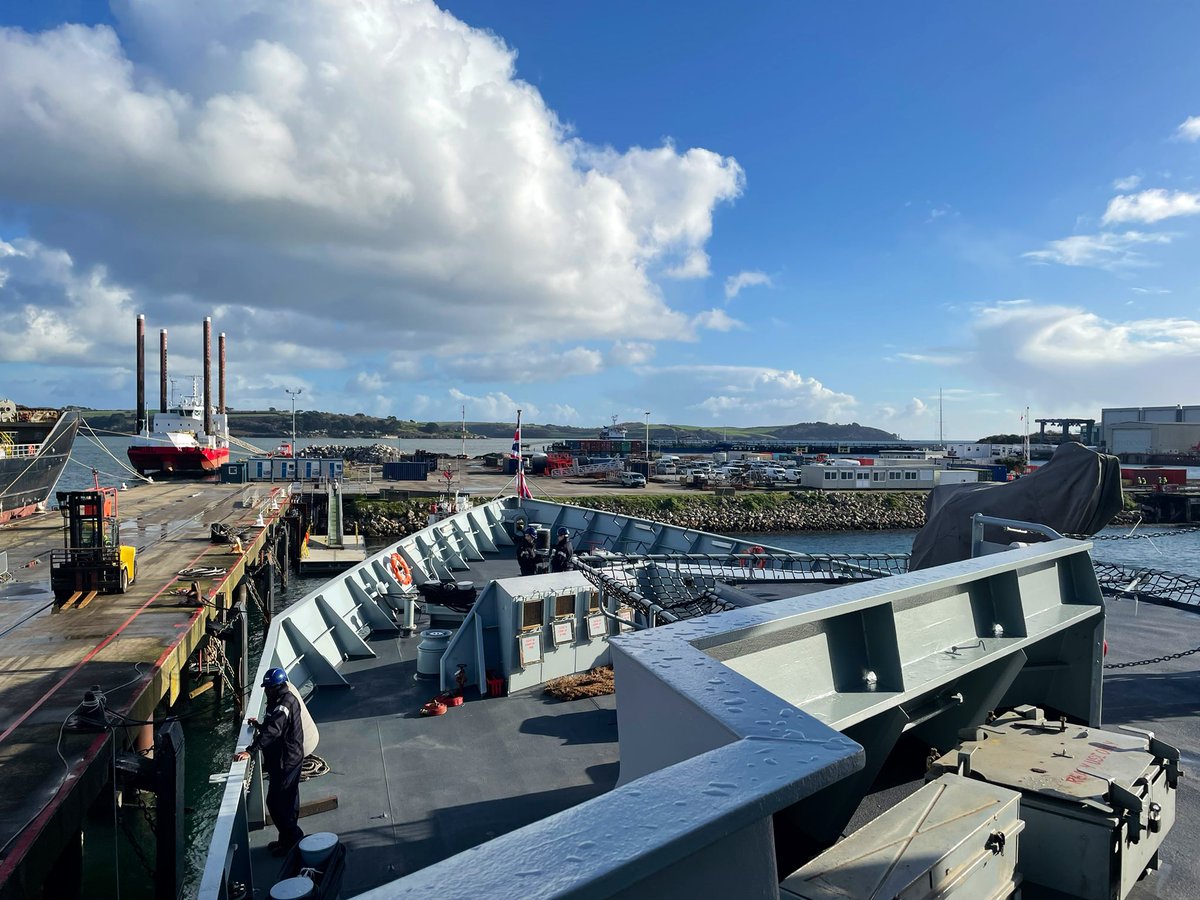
274 677
530 530
562 532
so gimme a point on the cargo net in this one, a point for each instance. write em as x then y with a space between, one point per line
1148 584
683 586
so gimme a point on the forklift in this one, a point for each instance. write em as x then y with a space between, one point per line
92 560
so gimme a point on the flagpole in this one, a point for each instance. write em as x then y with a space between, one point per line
520 470
1026 438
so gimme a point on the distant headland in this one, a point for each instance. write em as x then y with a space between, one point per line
311 423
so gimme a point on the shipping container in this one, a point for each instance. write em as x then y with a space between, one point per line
406 471
987 471
233 473
258 469
1153 478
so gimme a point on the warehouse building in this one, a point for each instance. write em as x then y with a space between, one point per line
1150 429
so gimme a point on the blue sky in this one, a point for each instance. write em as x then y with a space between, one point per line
724 214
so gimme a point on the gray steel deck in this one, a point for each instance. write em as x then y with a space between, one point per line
413 790
1163 698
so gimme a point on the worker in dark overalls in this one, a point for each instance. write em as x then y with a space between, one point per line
560 558
527 551
281 740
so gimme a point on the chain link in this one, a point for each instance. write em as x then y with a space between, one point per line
1135 535
1149 662
132 838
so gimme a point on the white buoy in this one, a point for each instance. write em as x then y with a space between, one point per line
259 523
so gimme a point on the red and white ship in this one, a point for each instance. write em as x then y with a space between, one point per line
190 438
178 444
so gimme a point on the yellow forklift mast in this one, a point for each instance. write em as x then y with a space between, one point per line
92 560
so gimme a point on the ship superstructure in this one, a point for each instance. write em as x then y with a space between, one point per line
190 437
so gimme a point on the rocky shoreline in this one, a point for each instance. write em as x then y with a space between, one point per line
374 455
752 512
762 513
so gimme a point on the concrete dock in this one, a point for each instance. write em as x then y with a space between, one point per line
134 646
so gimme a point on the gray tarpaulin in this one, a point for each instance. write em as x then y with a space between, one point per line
1077 492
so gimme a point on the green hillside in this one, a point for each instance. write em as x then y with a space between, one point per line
309 423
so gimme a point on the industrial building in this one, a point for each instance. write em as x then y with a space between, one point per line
1150 430
882 477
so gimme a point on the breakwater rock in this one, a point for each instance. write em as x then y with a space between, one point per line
374 455
756 512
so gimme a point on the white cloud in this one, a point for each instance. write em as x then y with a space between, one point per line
694 265
630 353
1072 359
376 161
1128 183
526 367
1151 206
366 383
735 283
495 406
933 359
717 320
1189 129
744 395
53 313
1107 250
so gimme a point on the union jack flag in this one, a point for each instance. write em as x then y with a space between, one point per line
522 488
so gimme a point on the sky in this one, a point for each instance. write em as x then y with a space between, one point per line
720 214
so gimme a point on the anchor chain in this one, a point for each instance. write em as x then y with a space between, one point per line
145 861
1135 535
1148 662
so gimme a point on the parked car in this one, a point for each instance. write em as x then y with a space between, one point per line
633 479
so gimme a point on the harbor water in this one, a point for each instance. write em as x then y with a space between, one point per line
209 728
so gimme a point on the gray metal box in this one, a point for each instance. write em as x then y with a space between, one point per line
955 837
1097 804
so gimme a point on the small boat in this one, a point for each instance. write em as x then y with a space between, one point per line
35 445
177 443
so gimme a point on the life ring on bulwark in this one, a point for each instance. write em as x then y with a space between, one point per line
401 570
748 560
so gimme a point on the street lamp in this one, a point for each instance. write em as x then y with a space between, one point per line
294 392
647 443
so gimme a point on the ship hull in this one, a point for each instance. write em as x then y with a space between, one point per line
26 482
184 461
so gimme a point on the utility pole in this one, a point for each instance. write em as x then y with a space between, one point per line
647 443
941 432
294 392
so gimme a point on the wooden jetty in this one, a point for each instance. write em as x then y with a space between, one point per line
135 647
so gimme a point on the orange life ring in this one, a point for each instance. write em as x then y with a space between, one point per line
401 570
760 562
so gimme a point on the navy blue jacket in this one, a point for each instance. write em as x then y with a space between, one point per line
281 736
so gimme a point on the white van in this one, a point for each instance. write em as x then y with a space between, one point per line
633 479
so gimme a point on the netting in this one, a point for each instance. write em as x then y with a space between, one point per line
1148 584
682 586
